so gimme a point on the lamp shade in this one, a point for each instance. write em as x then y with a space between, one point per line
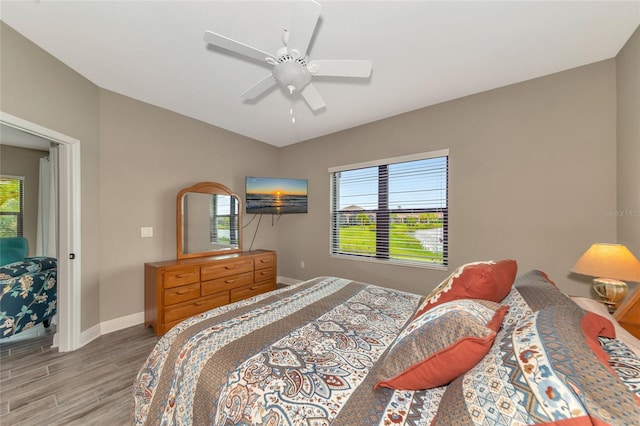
609 261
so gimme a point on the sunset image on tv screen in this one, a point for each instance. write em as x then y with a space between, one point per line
276 195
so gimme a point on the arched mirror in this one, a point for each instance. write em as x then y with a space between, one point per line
208 221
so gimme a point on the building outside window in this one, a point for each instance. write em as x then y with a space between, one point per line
393 210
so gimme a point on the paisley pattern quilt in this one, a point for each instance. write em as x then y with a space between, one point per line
308 354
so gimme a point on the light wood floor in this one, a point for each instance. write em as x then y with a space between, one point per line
90 386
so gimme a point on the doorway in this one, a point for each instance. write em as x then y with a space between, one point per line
67 337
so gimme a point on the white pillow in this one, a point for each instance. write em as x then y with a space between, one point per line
594 306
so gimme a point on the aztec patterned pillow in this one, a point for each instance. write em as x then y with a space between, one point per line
441 344
479 280
543 370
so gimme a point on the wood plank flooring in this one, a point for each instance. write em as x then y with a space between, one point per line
90 386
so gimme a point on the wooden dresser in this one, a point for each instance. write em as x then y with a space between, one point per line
177 289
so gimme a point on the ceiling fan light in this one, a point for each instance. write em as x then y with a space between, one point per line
291 74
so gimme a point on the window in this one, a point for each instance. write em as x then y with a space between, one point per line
393 209
224 222
11 206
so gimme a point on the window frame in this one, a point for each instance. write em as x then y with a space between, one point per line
382 254
20 214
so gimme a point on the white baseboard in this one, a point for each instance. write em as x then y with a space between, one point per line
122 322
110 326
89 335
138 318
287 280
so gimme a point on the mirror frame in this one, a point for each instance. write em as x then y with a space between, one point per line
212 188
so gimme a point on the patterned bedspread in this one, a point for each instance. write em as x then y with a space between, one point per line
308 354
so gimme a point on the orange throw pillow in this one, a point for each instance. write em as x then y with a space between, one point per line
441 345
486 280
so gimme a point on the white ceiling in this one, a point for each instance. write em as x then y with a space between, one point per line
423 53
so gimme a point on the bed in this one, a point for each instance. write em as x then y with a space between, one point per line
480 349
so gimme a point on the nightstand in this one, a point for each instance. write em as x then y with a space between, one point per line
628 313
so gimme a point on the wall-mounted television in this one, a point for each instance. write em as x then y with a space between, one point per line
275 195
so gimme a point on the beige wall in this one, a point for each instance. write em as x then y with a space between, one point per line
628 96
38 88
147 155
532 168
134 159
16 161
627 212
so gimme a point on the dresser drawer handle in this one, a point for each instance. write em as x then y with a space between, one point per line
230 267
187 274
230 281
182 291
264 273
202 302
265 261
255 287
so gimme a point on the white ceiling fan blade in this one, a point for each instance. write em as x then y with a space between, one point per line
259 88
305 18
235 46
312 97
340 68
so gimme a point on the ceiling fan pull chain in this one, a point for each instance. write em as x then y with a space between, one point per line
293 118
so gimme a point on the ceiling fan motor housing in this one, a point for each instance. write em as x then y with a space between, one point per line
291 72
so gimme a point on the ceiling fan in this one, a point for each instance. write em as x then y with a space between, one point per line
292 69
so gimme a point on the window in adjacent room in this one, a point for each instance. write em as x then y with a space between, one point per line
223 220
393 210
11 206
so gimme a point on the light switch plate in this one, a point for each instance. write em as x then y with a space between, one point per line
146 232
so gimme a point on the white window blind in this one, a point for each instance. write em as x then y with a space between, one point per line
223 223
395 209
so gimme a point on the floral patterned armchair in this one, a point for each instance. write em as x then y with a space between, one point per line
27 294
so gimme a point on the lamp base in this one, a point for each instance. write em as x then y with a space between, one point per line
610 291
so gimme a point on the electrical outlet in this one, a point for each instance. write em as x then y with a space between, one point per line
146 232
302 264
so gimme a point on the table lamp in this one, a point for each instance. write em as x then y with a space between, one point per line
610 263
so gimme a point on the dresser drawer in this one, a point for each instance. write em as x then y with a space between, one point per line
187 309
265 261
182 276
251 290
181 294
264 274
175 290
216 270
226 283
